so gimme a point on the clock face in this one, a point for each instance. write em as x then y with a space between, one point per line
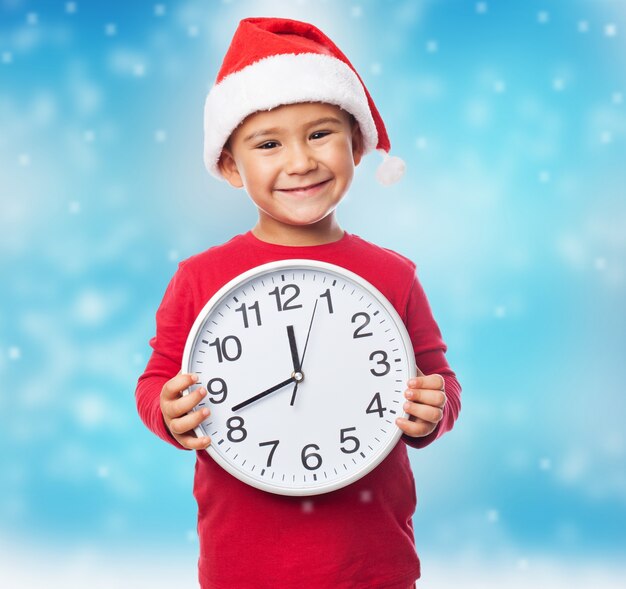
305 364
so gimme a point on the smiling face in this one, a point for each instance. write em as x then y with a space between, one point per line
296 162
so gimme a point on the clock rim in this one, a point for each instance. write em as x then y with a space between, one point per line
297 263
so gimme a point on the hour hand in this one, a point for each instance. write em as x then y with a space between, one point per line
294 349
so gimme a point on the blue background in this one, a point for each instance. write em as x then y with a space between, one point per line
512 121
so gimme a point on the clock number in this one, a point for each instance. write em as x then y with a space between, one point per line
235 424
221 350
223 390
382 362
283 291
328 299
311 461
376 406
274 444
357 331
344 438
244 313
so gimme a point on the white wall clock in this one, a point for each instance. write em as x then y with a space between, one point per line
305 363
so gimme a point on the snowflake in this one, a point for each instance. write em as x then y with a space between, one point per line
432 46
15 353
32 18
356 12
610 30
522 564
366 496
545 464
160 135
558 84
499 312
24 159
110 29
193 31
493 516
543 17
192 536
103 471
481 7
544 176
499 86
159 10
583 26
617 98
606 137
600 264
307 506
139 70
421 142
74 207
376 69
70 7
7 57
173 255
89 136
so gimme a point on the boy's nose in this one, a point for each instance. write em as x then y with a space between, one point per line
300 160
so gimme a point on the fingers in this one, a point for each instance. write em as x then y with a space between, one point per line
177 411
417 428
182 428
435 382
185 404
425 403
426 397
188 421
191 442
173 387
424 412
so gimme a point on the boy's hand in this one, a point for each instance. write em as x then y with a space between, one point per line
175 409
426 400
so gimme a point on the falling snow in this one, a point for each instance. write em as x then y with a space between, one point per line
481 7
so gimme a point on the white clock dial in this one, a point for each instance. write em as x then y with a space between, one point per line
305 364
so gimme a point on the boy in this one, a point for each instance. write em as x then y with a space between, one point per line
288 120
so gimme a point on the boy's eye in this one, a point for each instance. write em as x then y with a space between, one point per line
268 145
319 134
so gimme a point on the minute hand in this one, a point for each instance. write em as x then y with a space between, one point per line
306 343
247 402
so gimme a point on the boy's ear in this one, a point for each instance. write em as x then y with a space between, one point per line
357 144
229 170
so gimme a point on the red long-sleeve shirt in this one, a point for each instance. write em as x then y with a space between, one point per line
358 537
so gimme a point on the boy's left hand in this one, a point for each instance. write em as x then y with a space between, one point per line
426 399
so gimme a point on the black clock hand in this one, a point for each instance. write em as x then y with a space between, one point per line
293 348
306 343
247 402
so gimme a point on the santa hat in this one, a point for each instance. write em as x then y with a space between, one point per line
276 61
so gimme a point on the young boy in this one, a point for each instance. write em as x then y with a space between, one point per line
288 120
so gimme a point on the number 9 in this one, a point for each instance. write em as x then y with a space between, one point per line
223 390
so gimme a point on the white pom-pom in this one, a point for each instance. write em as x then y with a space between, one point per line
390 170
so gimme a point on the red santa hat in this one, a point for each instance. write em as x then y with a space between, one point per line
276 61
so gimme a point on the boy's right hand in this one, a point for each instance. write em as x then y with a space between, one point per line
176 407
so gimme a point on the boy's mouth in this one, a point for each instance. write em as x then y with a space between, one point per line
304 190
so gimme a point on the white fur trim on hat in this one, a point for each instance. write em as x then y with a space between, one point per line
277 80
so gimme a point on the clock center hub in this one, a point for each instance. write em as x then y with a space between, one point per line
298 376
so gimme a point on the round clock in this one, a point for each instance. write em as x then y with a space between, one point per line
305 364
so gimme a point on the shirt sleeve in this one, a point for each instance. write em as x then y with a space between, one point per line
174 319
430 358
